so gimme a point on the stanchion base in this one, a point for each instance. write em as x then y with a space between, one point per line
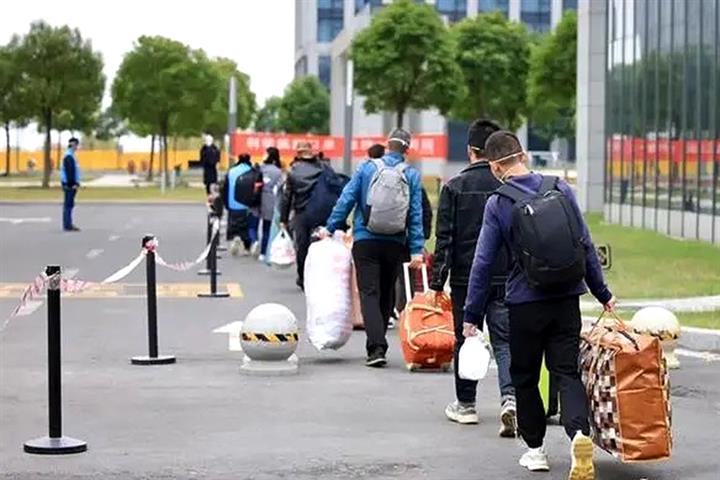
214 295
207 272
54 446
159 360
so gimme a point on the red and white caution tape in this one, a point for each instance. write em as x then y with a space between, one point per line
187 265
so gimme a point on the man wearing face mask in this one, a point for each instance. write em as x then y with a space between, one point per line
538 219
209 158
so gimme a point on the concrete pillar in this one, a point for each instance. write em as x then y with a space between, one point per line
472 8
556 12
514 10
590 125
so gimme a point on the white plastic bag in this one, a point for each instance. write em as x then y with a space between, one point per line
327 293
282 250
473 359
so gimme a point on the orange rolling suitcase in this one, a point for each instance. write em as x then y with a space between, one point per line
427 335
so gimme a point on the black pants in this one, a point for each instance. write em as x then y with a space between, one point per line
552 328
238 226
302 236
377 263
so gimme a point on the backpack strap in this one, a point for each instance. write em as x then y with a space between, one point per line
548 183
400 167
512 192
379 164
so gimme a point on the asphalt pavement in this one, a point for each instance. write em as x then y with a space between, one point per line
201 419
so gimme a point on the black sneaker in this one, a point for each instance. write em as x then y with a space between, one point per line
376 360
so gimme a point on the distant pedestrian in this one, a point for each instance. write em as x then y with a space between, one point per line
387 198
209 159
240 194
304 174
70 181
538 219
272 176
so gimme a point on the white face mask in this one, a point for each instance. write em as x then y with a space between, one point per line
208 140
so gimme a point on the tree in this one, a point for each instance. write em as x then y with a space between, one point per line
109 126
404 59
12 106
552 80
493 55
216 117
60 72
305 107
267 118
163 84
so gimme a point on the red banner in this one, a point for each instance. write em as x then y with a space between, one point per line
426 145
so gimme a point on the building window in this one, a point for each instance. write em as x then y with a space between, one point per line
324 70
488 6
301 68
330 19
454 10
536 14
569 5
360 4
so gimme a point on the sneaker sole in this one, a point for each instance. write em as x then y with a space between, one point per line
509 425
377 363
462 419
582 460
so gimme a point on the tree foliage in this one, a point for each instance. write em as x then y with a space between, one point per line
216 117
493 55
552 80
267 118
404 59
60 72
305 107
13 108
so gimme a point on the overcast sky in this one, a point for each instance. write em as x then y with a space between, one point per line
257 34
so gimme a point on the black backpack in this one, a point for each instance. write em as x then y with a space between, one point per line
324 196
248 188
547 237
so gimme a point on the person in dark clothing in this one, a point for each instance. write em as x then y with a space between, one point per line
460 215
70 181
542 322
305 171
209 159
272 180
238 213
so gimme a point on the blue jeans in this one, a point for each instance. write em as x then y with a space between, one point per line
68 204
266 224
498 322
253 223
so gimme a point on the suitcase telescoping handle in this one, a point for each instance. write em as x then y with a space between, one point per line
406 278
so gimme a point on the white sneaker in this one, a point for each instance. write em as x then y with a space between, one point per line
508 419
535 460
235 246
261 258
461 413
255 249
581 452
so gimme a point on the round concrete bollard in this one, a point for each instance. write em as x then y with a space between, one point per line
269 338
663 324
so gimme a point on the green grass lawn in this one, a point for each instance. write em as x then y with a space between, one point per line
140 194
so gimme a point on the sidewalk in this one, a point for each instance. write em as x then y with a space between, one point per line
687 305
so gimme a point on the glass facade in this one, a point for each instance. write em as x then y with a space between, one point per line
487 6
454 10
570 5
329 19
536 14
663 114
324 70
360 4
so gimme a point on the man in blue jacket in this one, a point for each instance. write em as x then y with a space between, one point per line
378 257
238 212
542 322
70 181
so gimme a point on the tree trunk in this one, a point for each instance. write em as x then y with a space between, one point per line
166 161
7 149
47 165
152 158
400 116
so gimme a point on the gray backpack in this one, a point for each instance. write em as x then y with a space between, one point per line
388 199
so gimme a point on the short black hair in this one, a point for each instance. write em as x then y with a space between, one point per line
502 144
72 141
478 133
376 151
244 158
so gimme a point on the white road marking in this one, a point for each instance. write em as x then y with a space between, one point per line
18 221
112 238
233 331
707 356
94 253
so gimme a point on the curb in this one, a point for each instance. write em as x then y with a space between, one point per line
700 339
103 202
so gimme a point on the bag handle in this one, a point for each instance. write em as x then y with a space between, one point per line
406 278
618 326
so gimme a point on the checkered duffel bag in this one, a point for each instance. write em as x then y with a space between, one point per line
628 390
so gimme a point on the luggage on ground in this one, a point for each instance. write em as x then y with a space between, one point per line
357 319
327 293
628 389
547 236
388 199
427 333
282 250
324 196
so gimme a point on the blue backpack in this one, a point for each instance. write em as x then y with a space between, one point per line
324 196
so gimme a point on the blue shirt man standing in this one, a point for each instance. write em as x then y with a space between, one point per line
70 181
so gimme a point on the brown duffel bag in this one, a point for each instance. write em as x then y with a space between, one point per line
628 390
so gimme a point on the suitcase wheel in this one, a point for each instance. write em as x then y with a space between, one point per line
447 367
414 367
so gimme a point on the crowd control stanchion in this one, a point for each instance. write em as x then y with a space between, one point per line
213 254
220 247
212 260
55 443
148 243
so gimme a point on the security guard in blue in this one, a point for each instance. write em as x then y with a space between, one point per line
239 191
70 181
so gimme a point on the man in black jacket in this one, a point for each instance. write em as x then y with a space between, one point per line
209 159
459 218
303 176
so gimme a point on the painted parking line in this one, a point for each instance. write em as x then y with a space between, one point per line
127 290
18 221
94 253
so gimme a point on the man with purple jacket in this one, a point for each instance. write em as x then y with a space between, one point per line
543 322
